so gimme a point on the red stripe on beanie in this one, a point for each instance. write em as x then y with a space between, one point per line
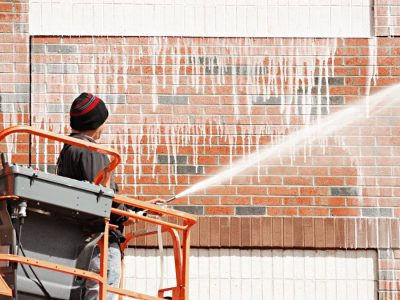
87 109
84 101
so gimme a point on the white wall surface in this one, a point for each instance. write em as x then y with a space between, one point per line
225 18
231 274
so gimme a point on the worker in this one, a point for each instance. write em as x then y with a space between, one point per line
88 115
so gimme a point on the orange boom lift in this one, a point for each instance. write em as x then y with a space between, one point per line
67 204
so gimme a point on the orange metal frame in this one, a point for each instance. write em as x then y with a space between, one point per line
181 250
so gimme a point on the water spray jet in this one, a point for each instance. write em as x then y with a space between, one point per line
308 134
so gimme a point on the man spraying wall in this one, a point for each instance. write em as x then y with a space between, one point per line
88 115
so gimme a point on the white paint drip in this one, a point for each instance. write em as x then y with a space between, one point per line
372 71
390 20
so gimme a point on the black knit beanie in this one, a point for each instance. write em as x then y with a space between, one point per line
88 112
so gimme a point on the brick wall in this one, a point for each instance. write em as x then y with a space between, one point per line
184 108
14 69
387 16
287 232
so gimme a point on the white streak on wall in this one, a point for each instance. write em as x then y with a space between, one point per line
372 71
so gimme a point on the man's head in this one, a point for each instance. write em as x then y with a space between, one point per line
87 114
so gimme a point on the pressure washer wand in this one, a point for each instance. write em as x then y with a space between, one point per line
170 199
145 211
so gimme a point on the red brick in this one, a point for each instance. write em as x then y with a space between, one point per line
249 190
207 160
277 232
344 90
246 232
195 235
301 201
155 190
6 28
386 264
319 233
347 51
361 233
308 232
356 42
225 231
22 8
204 232
313 211
395 237
6 7
282 211
235 200
282 170
330 201
372 230
330 233
345 211
270 180
204 200
382 31
313 191
221 190
384 233
140 240
151 240
219 210
256 232
347 71
267 200
214 232
340 233
330 181
266 232
297 180
350 181
288 232
235 232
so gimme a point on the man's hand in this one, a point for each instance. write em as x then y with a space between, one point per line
157 201
130 221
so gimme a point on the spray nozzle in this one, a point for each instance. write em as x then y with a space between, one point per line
170 199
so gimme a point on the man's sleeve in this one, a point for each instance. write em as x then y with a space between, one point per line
91 163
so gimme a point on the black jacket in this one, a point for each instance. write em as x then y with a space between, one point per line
83 164
80 163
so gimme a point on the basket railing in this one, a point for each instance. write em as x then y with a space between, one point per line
181 247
